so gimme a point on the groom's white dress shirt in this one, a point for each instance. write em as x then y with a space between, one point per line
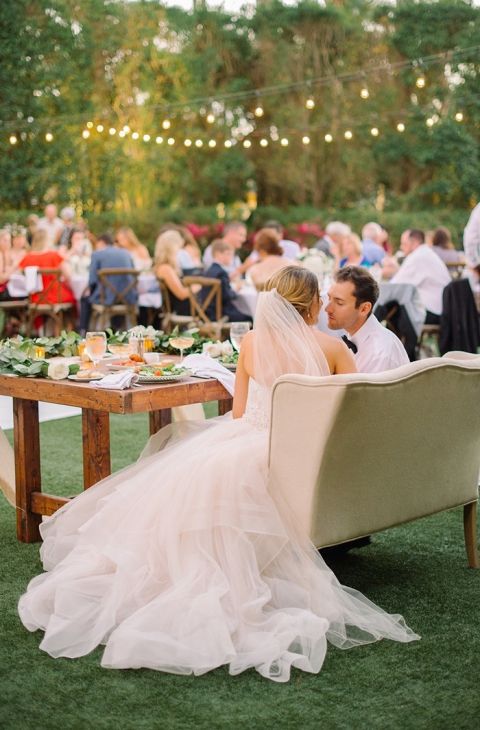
425 270
378 349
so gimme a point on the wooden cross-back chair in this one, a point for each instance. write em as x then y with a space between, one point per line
110 290
205 291
171 319
42 307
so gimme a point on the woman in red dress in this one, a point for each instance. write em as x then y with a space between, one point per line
46 258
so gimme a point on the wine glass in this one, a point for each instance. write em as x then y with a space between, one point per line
95 346
238 330
181 342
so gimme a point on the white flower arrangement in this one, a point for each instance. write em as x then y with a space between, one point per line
57 370
143 332
318 263
217 349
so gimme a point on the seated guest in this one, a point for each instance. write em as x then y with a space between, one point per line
291 249
372 238
105 256
425 270
332 241
20 245
44 257
52 225
189 258
352 298
127 239
79 253
222 255
270 257
32 226
352 251
235 235
443 246
166 267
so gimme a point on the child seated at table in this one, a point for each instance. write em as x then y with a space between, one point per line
222 255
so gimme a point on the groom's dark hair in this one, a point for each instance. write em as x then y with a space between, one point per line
365 288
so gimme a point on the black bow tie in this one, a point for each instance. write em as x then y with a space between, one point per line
350 344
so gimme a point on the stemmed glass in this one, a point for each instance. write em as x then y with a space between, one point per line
181 342
238 330
95 346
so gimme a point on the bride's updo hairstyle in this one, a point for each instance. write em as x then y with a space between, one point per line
297 285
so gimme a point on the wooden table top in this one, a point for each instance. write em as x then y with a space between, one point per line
132 400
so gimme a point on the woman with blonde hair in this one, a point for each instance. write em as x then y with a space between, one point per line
188 559
166 267
271 257
127 239
352 252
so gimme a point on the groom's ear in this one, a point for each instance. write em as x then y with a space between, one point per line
365 308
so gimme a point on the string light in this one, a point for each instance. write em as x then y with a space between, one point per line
310 103
210 118
166 124
100 128
135 135
284 142
112 131
364 92
212 143
259 111
348 134
13 139
171 141
374 132
420 82
49 137
264 142
247 143
89 125
159 140
188 142
126 129
146 138
198 143
228 143
459 117
306 139
328 138
86 134
430 122
400 127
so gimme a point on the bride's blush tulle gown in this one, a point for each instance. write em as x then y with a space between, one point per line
184 562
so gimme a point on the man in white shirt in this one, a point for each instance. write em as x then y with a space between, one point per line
52 224
471 238
235 235
425 270
352 297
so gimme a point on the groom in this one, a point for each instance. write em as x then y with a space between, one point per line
352 298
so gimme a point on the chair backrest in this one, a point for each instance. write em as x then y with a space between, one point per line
166 299
204 291
354 454
117 286
52 285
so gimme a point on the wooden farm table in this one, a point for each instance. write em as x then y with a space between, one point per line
96 405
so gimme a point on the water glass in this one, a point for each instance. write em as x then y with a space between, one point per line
238 330
95 346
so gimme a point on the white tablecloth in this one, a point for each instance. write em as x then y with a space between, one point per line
246 300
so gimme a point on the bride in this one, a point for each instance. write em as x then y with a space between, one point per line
184 561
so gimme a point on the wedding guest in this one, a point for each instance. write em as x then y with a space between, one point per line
166 268
425 270
333 239
352 298
189 257
68 217
291 249
353 252
443 247
222 256
79 253
372 237
19 245
52 225
235 235
127 240
471 239
43 256
105 256
271 256
32 227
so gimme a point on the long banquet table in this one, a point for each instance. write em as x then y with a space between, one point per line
96 405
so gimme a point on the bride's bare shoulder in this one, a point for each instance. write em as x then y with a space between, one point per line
328 342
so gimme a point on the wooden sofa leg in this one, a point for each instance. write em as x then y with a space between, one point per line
470 531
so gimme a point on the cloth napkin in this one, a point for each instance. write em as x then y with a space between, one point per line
204 366
116 381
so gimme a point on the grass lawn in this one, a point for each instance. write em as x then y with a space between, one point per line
418 570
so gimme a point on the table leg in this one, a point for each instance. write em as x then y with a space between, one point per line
27 467
96 446
224 406
159 419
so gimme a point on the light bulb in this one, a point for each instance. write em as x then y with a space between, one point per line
264 142
328 138
306 139
420 82
259 111
247 143
171 141
310 103
49 136
284 142
112 131
188 143
89 125
429 122
100 128
198 143
459 117
166 124
135 135
212 143
13 139
400 127
210 118
364 93
85 134
146 138
374 132
228 143
159 140
348 134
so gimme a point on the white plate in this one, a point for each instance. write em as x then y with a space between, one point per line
85 380
161 378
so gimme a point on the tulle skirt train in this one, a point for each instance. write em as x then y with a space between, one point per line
184 562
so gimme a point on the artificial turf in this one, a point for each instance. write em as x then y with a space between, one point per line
418 570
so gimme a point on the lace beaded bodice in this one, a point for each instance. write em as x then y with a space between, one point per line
257 411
